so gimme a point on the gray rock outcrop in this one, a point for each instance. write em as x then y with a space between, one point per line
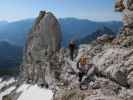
40 61
126 8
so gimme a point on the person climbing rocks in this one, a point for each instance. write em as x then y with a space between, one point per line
86 72
81 65
72 47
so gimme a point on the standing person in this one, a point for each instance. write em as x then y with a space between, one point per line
72 47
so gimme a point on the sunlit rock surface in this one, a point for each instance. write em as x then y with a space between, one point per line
41 59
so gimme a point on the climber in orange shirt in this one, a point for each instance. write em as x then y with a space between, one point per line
86 71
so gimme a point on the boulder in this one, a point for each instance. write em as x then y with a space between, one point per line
105 39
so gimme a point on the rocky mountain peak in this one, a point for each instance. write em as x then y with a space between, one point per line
43 43
48 30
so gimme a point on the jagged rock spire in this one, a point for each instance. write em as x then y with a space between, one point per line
43 43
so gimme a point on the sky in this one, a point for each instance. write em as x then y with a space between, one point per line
96 10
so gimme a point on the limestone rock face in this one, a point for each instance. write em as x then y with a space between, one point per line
115 75
43 44
46 33
126 7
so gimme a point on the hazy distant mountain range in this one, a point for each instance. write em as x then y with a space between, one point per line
72 28
99 32
14 33
10 58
